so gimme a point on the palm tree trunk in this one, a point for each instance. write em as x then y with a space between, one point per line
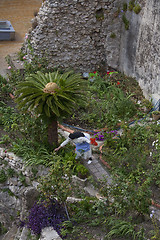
53 133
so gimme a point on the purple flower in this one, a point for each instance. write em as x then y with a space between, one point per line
45 214
113 132
99 136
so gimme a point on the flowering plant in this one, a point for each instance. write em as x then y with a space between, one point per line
111 72
92 75
43 214
110 138
93 141
99 136
118 83
112 133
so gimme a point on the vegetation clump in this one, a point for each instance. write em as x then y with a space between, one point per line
113 35
3 176
131 5
125 6
126 22
137 9
50 214
111 100
52 95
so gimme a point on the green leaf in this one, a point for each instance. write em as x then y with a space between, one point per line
43 78
46 110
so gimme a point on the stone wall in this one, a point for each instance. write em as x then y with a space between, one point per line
88 35
73 33
18 195
18 192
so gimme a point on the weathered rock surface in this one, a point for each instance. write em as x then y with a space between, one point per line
49 234
91 35
16 196
140 47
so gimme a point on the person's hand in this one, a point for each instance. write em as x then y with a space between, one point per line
56 149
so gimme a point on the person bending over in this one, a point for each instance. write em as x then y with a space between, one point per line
82 142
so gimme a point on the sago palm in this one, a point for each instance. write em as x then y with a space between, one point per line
52 95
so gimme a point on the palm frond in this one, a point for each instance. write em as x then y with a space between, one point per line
64 96
27 85
42 77
29 99
55 109
38 77
40 107
47 111
30 93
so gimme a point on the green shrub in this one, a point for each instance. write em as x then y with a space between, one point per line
57 184
137 9
131 5
5 139
10 193
22 179
3 176
3 229
2 80
113 35
125 6
4 87
82 171
126 22
121 228
148 104
10 172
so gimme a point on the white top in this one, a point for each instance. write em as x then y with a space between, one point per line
77 140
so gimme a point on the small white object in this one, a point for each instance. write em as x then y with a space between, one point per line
89 162
85 75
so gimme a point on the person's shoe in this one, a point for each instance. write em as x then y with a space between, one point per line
89 162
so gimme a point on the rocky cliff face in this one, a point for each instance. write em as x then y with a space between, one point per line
140 47
91 35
